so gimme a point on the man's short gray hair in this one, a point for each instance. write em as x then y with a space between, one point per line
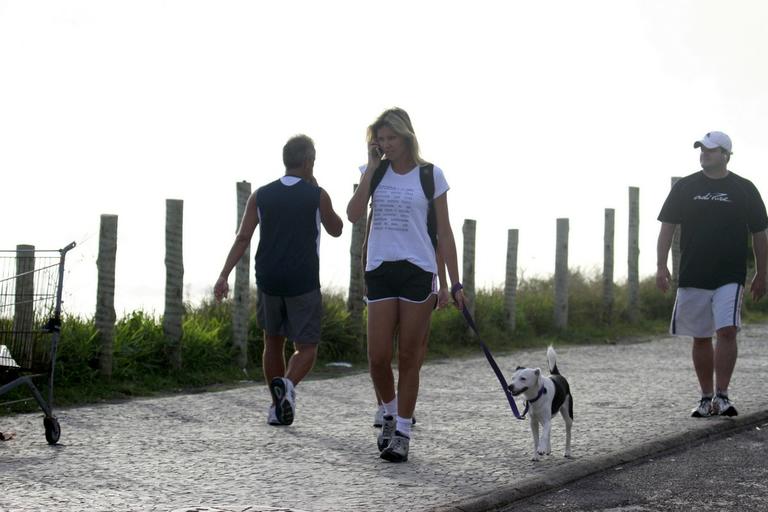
297 150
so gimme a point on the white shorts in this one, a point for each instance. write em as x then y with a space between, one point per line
700 313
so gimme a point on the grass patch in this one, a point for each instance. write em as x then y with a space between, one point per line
141 363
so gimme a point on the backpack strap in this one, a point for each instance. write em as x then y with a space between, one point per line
378 174
427 177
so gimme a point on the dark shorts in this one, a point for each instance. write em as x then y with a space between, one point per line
297 318
400 280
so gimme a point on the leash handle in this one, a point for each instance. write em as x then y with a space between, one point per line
491 361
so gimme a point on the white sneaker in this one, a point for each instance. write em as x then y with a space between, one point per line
284 397
722 406
387 431
397 450
272 416
704 409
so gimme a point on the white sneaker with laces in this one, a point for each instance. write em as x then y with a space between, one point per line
284 397
397 450
704 409
272 416
387 431
722 405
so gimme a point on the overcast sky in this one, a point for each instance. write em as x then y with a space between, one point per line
534 110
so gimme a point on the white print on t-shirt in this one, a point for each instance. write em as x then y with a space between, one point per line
713 196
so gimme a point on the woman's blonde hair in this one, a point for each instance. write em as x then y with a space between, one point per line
400 122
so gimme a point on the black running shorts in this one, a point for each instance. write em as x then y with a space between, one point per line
400 280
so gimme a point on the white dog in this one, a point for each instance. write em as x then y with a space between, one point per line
544 396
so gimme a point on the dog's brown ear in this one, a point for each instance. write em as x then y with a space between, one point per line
520 368
537 372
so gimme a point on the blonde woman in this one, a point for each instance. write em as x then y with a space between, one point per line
401 268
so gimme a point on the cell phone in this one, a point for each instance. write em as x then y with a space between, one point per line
379 151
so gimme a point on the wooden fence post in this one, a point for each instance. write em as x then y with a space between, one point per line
510 283
675 253
174 279
561 275
105 293
24 307
468 263
355 304
633 256
608 235
240 306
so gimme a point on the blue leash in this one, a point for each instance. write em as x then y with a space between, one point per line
492 362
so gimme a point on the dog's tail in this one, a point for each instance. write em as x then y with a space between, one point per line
552 361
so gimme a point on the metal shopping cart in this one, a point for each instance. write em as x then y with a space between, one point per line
30 324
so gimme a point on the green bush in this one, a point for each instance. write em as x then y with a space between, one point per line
338 338
77 357
141 362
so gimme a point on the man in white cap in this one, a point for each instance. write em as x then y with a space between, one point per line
717 210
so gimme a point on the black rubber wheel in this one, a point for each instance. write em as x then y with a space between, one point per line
52 430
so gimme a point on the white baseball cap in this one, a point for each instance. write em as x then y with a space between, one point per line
714 140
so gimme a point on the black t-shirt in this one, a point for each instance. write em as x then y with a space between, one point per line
716 217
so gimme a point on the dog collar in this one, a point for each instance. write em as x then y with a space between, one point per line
542 391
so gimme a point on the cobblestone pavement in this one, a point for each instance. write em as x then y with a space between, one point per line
468 452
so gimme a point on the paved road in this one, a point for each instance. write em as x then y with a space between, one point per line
468 452
718 474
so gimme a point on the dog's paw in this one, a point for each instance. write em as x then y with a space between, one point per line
568 455
535 458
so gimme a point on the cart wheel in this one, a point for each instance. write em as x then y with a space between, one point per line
52 430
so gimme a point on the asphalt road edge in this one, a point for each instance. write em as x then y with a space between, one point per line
506 496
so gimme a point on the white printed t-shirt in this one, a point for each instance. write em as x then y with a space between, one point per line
399 226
